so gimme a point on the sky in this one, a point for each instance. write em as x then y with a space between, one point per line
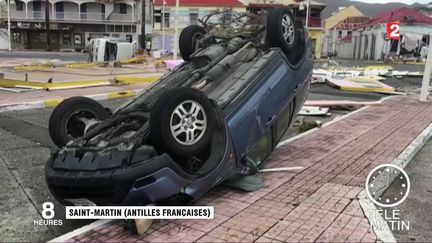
401 1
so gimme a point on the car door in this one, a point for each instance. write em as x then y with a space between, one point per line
261 108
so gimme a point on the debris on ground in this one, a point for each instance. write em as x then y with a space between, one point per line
283 169
314 111
319 76
305 124
359 85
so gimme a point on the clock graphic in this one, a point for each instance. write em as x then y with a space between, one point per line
380 178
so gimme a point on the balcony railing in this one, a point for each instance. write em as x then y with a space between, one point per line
122 17
313 21
92 16
73 16
35 14
66 15
18 14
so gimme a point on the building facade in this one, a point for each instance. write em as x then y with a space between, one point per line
368 41
74 22
339 36
192 10
189 13
338 26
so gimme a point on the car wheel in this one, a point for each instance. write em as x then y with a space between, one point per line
281 30
300 46
182 122
188 40
71 118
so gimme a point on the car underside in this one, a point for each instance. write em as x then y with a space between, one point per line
197 126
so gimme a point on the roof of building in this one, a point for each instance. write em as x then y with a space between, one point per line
351 22
313 3
403 14
202 3
341 15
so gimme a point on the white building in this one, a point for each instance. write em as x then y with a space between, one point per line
368 42
74 22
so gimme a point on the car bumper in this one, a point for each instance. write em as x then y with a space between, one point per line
143 182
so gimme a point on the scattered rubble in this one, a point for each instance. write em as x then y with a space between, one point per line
314 111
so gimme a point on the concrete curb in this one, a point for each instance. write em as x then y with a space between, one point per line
404 158
119 79
54 102
289 140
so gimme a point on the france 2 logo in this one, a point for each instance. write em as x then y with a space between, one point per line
393 31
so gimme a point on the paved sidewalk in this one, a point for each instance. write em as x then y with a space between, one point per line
316 204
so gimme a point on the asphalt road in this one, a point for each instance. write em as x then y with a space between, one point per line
416 208
25 147
62 56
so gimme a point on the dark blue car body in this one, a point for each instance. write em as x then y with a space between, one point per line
273 91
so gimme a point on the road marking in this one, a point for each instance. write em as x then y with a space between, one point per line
81 230
33 67
52 102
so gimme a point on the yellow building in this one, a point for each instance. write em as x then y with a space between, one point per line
336 18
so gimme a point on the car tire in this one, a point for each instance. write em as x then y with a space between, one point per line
182 122
300 45
188 40
281 31
63 123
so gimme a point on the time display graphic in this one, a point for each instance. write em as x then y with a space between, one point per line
380 178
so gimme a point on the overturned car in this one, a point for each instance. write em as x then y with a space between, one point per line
215 117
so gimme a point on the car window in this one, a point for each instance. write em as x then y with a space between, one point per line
262 149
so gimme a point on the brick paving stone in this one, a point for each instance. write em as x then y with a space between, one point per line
318 202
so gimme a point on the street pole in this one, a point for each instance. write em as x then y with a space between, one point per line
47 25
176 37
142 38
9 25
334 41
163 25
427 75
307 13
